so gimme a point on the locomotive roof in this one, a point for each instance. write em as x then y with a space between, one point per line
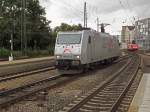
70 32
90 31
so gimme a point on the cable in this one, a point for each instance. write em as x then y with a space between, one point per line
72 7
120 2
128 5
66 5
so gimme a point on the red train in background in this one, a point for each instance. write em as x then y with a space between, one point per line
132 47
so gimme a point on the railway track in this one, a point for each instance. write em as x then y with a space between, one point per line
17 93
12 95
10 70
27 73
19 68
107 96
23 74
123 58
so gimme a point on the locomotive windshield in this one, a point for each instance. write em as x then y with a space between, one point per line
69 39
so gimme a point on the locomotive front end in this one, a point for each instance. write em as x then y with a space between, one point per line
68 51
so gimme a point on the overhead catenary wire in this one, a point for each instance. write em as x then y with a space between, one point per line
75 12
79 12
129 6
71 6
124 8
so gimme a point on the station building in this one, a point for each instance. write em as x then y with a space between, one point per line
127 34
142 33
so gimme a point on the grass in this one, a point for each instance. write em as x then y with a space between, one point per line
4 53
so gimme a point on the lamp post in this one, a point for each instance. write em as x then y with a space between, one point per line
11 42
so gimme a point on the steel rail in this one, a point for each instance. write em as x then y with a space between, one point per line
12 95
5 78
82 101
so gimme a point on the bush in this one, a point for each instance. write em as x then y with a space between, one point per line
37 53
17 54
51 50
4 53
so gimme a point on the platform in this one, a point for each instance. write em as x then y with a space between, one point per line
5 63
141 100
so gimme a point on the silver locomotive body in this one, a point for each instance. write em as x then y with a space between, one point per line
80 50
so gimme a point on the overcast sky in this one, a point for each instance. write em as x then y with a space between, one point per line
114 12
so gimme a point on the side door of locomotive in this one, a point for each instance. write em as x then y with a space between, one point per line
89 49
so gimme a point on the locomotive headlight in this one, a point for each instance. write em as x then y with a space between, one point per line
78 57
57 57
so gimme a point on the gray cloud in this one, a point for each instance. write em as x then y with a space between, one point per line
74 9
109 10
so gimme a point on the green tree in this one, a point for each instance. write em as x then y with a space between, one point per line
66 27
37 26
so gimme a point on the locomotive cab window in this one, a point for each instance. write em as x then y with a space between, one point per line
89 40
69 39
